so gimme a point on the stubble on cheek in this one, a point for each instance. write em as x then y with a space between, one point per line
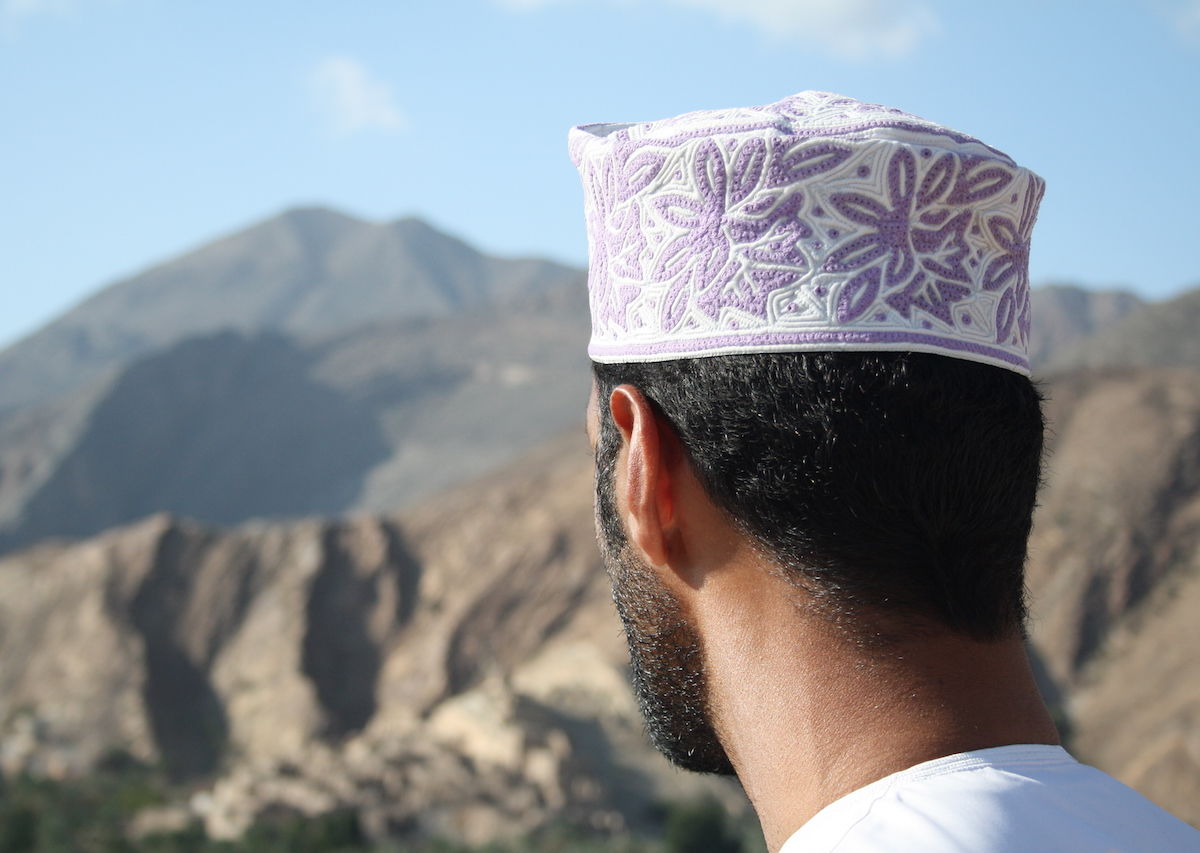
666 656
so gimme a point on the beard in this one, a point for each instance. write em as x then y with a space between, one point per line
665 653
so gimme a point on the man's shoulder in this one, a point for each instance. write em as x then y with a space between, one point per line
1024 798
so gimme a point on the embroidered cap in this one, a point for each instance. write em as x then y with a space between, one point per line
815 223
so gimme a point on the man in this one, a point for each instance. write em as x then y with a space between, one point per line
818 451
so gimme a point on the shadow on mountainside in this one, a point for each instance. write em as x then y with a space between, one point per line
186 716
346 619
220 428
302 615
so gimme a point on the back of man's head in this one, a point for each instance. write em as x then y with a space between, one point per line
896 489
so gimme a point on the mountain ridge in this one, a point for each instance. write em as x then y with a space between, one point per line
1162 334
232 426
305 272
1064 314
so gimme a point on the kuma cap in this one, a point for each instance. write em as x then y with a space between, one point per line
817 223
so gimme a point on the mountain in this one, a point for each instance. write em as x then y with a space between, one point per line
221 427
233 424
1119 514
455 670
230 427
1137 708
311 364
306 272
1163 334
1064 314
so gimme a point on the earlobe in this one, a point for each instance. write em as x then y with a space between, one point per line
643 479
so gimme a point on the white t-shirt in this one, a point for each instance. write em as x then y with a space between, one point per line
1010 799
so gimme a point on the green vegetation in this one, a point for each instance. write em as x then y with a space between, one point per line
702 827
92 815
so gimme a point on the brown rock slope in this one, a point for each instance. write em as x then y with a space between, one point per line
457 670
1115 574
1138 708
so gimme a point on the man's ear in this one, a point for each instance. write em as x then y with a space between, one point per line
644 478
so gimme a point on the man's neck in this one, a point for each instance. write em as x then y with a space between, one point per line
808 716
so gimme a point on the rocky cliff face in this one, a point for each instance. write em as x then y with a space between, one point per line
456 670
1137 706
1117 516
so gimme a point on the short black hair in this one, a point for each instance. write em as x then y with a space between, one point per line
899 483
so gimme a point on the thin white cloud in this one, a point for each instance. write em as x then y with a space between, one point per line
351 100
849 29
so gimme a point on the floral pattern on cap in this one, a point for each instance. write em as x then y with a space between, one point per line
817 223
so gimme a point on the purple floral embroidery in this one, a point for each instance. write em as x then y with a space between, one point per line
723 229
932 296
1010 270
913 233
915 244
614 181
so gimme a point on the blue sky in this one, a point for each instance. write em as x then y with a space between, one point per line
134 130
